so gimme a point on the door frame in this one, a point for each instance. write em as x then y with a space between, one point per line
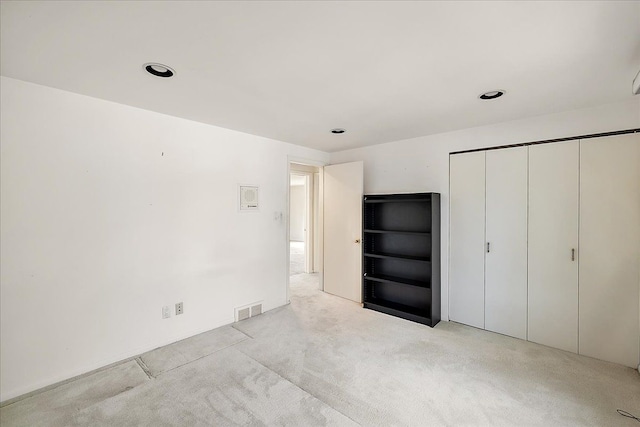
319 229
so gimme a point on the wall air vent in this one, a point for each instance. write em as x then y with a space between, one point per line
247 311
243 313
256 309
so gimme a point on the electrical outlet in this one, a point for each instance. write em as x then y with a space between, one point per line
166 313
179 308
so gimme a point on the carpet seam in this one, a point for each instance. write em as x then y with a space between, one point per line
201 357
241 331
301 388
144 367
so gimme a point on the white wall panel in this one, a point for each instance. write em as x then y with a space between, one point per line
506 233
610 248
466 277
553 244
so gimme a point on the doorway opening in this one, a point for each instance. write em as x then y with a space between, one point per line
305 251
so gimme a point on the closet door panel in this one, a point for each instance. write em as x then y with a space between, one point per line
467 221
553 241
610 248
506 233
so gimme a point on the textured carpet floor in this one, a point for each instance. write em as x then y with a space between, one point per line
323 360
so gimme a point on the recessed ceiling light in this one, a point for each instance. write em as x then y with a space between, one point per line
338 130
159 70
493 94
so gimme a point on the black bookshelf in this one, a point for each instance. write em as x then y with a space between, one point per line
401 255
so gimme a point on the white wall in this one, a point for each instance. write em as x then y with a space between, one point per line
110 212
297 198
422 164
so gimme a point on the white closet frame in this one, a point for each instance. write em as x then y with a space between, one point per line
466 259
610 248
582 238
506 242
553 244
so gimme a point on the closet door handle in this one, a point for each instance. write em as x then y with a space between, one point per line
573 254
488 247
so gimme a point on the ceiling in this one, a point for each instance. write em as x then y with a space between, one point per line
292 71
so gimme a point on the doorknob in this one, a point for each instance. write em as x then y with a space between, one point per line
357 241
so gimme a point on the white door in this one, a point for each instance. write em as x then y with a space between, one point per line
553 244
610 248
506 247
343 189
466 249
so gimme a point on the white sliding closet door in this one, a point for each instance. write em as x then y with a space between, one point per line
610 248
506 236
553 244
466 257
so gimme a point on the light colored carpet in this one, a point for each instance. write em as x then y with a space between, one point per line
323 360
